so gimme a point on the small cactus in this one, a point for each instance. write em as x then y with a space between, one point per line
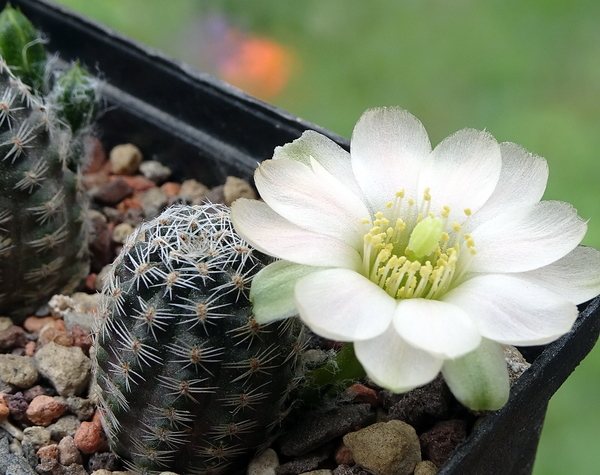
43 231
187 380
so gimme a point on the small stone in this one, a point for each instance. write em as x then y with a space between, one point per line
4 411
305 463
44 410
426 467
100 241
113 192
216 195
139 183
56 332
439 442
103 472
343 455
14 464
30 348
82 339
81 407
67 368
90 282
18 370
133 202
193 191
5 323
235 188
35 324
133 216
125 159
423 406
84 303
75 469
385 448
68 452
17 405
95 156
90 438
153 202
49 451
515 363
360 393
102 461
34 391
264 464
35 437
155 171
122 232
323 471
321 427
49 466
65 426
12 337
171 189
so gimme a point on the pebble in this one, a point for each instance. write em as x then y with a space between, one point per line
125 159
100 241
361 393
68 452
171 189
305 463
318 428
34 391
13 464
515 363
155 171
102 461
422 406
139 183
264 464
153 202
193 191
385 448
17 405
49 451
65 426
121 232
36 437
343 455
12 337
35 324
44 410
68 369
95 156
83 408
235 188
439 442
5 323
82 338
323 471
18 370
90 438
113 192
4 411
426 467
215 195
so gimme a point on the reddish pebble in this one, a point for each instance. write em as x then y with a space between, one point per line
81 338
138 182
90 282
4 411
44 410
90 438
96 156
171 188
363 394
48 451
134 202
95 180
30 348
113 192
343 455
13 337
35 324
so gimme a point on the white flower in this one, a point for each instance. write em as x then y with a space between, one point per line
428 260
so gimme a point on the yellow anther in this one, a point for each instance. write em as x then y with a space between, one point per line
426 195
400 194
411 202
379 215
445 237
456 227
365 221
389 205
468 211
472 251
445 211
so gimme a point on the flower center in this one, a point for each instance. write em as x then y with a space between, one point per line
412 253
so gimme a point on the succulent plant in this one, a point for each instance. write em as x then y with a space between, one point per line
187 380
43 232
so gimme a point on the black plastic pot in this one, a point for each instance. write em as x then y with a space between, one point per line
205 129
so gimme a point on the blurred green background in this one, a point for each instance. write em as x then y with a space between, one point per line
527 71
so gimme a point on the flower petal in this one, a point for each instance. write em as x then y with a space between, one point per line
330 155
340 304
576 276
527 237
388 149
523 180
395 365
325 206
272 291
463 172
439 328
479 379
270 233
511 310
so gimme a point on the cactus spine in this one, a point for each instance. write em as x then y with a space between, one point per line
188 381
43 239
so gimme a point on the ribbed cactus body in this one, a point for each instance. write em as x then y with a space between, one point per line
189 381
43 242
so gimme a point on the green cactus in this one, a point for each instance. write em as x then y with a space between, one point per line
43 231
187 380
